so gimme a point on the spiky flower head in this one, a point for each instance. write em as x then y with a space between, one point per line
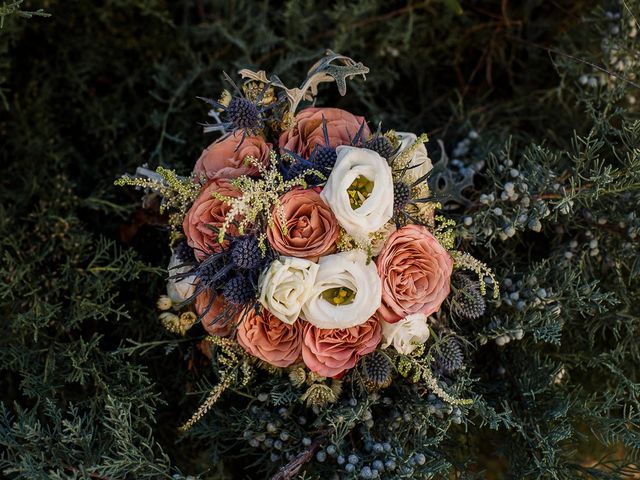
468 301
184 253
211 272
319 395
314 377
450 356
239 290
300 167
243 114
324 158
381 145
297 376
295 169
376 370
242 110
401 196
246 253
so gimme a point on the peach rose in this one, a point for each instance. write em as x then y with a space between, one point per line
214 320
342 127
329 352
415 271
209 211
312 228
264 336
223 158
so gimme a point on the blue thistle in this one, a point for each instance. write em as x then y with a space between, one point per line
184 253
468 301
401 196
212 272
450 356
246 254
299 166
376 371
357 140
323 157
239 290
381 145
242 114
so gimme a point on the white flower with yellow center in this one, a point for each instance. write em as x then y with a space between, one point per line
359 191
406 334
347 291
286 285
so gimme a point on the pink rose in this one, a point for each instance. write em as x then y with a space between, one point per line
415 271
265 336
312 227
329 352
214 320
342 127
208 211
223 158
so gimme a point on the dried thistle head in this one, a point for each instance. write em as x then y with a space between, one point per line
313 377
297 376
336 387
186 321
319 395
259 92
178 324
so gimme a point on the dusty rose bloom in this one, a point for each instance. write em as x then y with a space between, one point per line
265 336
312 228
415 271
208 211
342 127
329 352
223 158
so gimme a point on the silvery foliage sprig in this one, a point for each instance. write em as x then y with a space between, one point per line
332 68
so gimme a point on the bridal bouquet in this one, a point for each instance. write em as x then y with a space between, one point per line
306 241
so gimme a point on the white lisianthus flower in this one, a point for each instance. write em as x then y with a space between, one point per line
406 334
179 290
347 291
420 161
367 206
286 285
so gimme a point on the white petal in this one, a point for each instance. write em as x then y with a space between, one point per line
286 285
420 159
405 334
179 290
345 269
377 209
